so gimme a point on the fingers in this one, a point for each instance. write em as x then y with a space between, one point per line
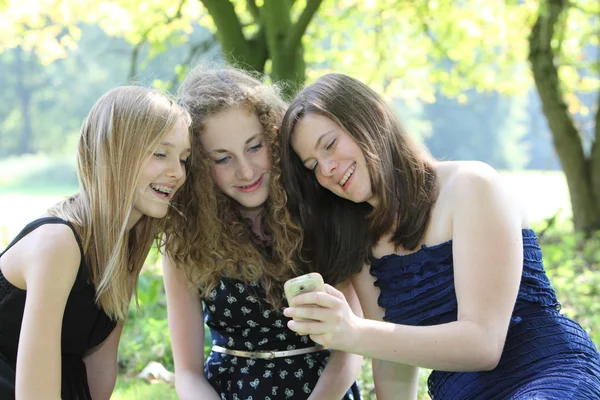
334 292
312 313
307 327
329 299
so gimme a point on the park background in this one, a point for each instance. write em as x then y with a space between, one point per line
514 83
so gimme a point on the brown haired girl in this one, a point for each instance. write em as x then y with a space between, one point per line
444 264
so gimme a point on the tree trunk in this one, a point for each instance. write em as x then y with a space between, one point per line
24 96
279 39
582 173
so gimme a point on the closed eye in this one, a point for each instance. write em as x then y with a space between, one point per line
160 155
255 148
330 145
222 160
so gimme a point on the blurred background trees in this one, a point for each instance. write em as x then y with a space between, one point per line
459 73
514 83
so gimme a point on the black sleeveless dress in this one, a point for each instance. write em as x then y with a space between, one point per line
84 326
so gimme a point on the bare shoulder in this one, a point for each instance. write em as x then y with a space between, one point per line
460 175
49 250
466 183
53 238
462 182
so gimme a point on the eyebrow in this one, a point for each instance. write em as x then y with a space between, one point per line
250 139
171 145
319 142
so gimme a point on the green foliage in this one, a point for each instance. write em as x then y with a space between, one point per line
397 47
146 334
367 387
133 389
415 49
572 263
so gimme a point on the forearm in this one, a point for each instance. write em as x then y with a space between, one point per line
340 373
455 346
37 379
395 381
191 385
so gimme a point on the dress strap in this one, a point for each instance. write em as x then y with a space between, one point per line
33 225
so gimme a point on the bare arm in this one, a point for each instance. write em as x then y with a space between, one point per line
487 248
343 368
186 325
395 381
101 365
47 260
392 380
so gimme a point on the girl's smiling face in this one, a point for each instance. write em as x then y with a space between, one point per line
162 175
234 139
337 160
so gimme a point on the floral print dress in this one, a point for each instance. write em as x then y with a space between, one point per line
239 318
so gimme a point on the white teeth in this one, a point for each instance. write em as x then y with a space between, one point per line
160 188
250 185
347 176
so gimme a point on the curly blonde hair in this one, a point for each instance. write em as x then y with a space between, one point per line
209 240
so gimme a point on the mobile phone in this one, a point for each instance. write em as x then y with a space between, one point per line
312 282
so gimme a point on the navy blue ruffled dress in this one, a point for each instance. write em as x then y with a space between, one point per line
546 355
239 318
84 326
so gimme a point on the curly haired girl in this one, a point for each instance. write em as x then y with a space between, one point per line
232 248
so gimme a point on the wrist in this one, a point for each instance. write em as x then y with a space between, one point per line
357 334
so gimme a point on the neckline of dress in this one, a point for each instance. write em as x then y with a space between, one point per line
525 232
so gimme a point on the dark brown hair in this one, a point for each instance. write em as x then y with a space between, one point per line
209 239
403 179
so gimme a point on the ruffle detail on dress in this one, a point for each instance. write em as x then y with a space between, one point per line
546 355
418 288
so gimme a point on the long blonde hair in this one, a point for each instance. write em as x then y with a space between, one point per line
213 241
117 138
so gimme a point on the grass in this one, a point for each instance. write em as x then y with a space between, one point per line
133 388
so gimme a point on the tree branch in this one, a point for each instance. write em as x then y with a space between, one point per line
229 30
276 22
198 48
254 10
576 6
462 72
134 57
137 48
595 154
294 38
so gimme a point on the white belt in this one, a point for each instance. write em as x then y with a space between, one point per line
267 355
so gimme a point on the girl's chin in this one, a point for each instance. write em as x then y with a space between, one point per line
254 204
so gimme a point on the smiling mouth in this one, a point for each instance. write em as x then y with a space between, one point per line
163 191
251 187
347 175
